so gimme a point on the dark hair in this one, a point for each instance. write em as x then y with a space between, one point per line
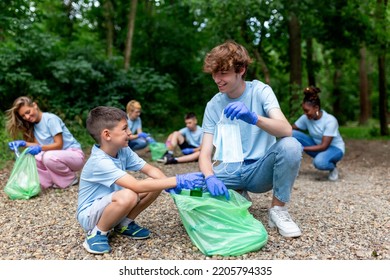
190 115
101 118
311 96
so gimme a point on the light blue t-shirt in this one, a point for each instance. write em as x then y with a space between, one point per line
99 174
49 126
259 98
194 138
327 125
134 125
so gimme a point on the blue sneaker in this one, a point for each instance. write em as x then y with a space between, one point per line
97 244
134 231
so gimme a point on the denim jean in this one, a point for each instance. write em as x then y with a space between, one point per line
325 160
138 144
276 170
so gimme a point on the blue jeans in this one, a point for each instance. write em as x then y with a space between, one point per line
325 160
276 170
138 144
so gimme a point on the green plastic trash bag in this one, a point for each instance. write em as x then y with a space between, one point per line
157 150
23 182
218 226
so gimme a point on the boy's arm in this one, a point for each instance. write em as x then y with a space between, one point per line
152 171
148 185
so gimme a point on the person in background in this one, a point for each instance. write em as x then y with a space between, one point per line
188 139
323 141
269 164
109 197
138 139
58 154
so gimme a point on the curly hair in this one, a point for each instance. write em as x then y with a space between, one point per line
311 96
225 56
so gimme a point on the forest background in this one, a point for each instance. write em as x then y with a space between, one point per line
71 56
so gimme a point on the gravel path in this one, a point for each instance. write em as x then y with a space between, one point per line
344 220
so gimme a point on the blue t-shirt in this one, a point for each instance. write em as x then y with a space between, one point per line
194 138
259 98
134 125
99 174
327 125
49 126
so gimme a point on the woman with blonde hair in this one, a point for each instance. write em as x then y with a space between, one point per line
58 154
138 139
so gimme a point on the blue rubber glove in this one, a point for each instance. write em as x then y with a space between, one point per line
240 111
187 181
16 144
187 151
150 139
143 135
216 187
34 150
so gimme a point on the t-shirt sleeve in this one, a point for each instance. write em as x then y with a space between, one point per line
331 128
301 122
54 124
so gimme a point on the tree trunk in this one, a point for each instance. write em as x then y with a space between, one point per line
309 62
294 30
383 110
108 12
363 88
130 32
264 68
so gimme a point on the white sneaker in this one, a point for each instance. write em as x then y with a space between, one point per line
333 175
278 216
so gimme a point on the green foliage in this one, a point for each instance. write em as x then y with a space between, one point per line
370 131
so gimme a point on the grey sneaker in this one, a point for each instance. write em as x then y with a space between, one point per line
278 216
333 175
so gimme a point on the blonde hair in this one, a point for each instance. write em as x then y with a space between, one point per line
16 124
132 106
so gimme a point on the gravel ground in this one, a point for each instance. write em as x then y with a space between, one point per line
344 220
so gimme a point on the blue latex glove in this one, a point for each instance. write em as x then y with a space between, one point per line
187 151
216 187
143 135
34 150
240 111
16 144
150 139
187 181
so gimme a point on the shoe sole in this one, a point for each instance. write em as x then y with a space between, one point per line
86 247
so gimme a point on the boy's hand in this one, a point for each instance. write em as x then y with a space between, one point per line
240 111
188 181
34 150
16 144
187 151
216 187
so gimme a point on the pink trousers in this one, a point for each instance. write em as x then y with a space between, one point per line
59 167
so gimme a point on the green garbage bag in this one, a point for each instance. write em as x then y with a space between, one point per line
23 182
218 226
157 150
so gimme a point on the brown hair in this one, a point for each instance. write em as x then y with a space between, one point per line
101 118
311 96
225 56
16 124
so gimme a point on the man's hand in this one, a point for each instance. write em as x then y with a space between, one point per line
240 111
216 187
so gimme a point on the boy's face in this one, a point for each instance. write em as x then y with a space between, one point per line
228 81
119 135
191 123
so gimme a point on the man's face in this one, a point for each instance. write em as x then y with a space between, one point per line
191 123
227 81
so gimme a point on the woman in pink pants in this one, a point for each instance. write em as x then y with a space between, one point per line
58 154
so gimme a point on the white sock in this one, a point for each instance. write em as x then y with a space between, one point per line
96 229
125 222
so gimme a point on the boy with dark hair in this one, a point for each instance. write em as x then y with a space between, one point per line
109 197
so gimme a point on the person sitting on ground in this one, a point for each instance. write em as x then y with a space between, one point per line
324 142
188 139
111 198
138 139
57 153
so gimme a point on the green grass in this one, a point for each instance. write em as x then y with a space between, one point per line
370 131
